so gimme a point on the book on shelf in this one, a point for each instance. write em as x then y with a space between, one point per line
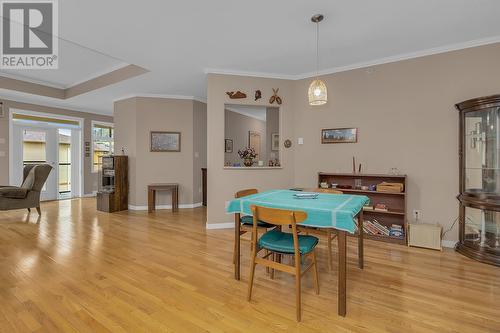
375 228
380 207
382 228
396 230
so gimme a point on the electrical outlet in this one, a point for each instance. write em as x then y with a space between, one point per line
417 214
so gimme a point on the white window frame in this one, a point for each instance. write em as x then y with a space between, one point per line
92 138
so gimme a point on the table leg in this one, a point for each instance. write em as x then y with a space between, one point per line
151 202
342 293
360 240
176 199
173 199
237 246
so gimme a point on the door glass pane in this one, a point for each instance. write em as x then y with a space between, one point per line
482 227
34 147
482 151
64 162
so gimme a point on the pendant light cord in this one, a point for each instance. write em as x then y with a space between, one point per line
317 49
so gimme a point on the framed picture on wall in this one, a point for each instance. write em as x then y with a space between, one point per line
339 135
165 141
275 141
228 146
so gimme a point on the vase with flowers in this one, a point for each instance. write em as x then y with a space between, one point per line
247 155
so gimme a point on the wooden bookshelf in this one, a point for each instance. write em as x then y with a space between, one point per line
112 193
395 201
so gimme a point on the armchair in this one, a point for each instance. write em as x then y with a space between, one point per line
28 194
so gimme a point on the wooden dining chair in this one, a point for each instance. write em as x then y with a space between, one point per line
330 234
246 221
279 242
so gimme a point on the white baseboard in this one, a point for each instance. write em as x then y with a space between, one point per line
448 243
89 195
214 226
158 207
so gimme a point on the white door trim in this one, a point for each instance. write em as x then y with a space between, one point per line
12 111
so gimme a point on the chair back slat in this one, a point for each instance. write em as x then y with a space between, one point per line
278 216
246 192
327 190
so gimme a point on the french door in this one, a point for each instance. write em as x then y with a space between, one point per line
34 145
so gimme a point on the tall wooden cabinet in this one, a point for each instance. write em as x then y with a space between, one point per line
112 194
479 158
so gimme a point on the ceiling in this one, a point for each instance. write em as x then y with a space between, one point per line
178 42
76 64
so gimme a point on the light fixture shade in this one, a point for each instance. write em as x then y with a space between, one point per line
317 93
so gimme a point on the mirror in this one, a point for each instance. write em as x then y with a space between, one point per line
252 136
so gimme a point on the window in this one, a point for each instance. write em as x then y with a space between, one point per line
102 142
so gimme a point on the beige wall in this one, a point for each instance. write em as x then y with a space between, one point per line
90 179
406 119
125 112
199 147
135 118
223 183
236 128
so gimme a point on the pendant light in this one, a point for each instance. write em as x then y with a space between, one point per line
317 89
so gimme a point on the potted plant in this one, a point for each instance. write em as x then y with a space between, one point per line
247 155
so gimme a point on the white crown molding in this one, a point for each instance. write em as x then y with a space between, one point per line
404 56
184 97
250 74
359 65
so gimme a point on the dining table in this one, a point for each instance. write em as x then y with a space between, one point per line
324 210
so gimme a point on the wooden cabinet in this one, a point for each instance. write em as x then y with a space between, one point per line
395 201
479 161
112 193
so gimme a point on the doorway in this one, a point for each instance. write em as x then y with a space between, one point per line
37 139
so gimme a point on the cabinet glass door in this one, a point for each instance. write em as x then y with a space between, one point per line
482 151
482 228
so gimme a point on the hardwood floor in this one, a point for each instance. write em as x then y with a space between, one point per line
78 270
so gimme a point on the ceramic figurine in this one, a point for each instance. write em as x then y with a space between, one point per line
275 97
236 95
258 94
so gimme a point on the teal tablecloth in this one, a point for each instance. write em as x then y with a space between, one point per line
326 211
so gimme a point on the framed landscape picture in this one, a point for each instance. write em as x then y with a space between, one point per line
339 135
165 141
228 146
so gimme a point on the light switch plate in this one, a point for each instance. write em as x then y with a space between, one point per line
2 154
300 141
2 141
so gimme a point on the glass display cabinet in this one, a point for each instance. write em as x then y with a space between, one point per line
479 152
